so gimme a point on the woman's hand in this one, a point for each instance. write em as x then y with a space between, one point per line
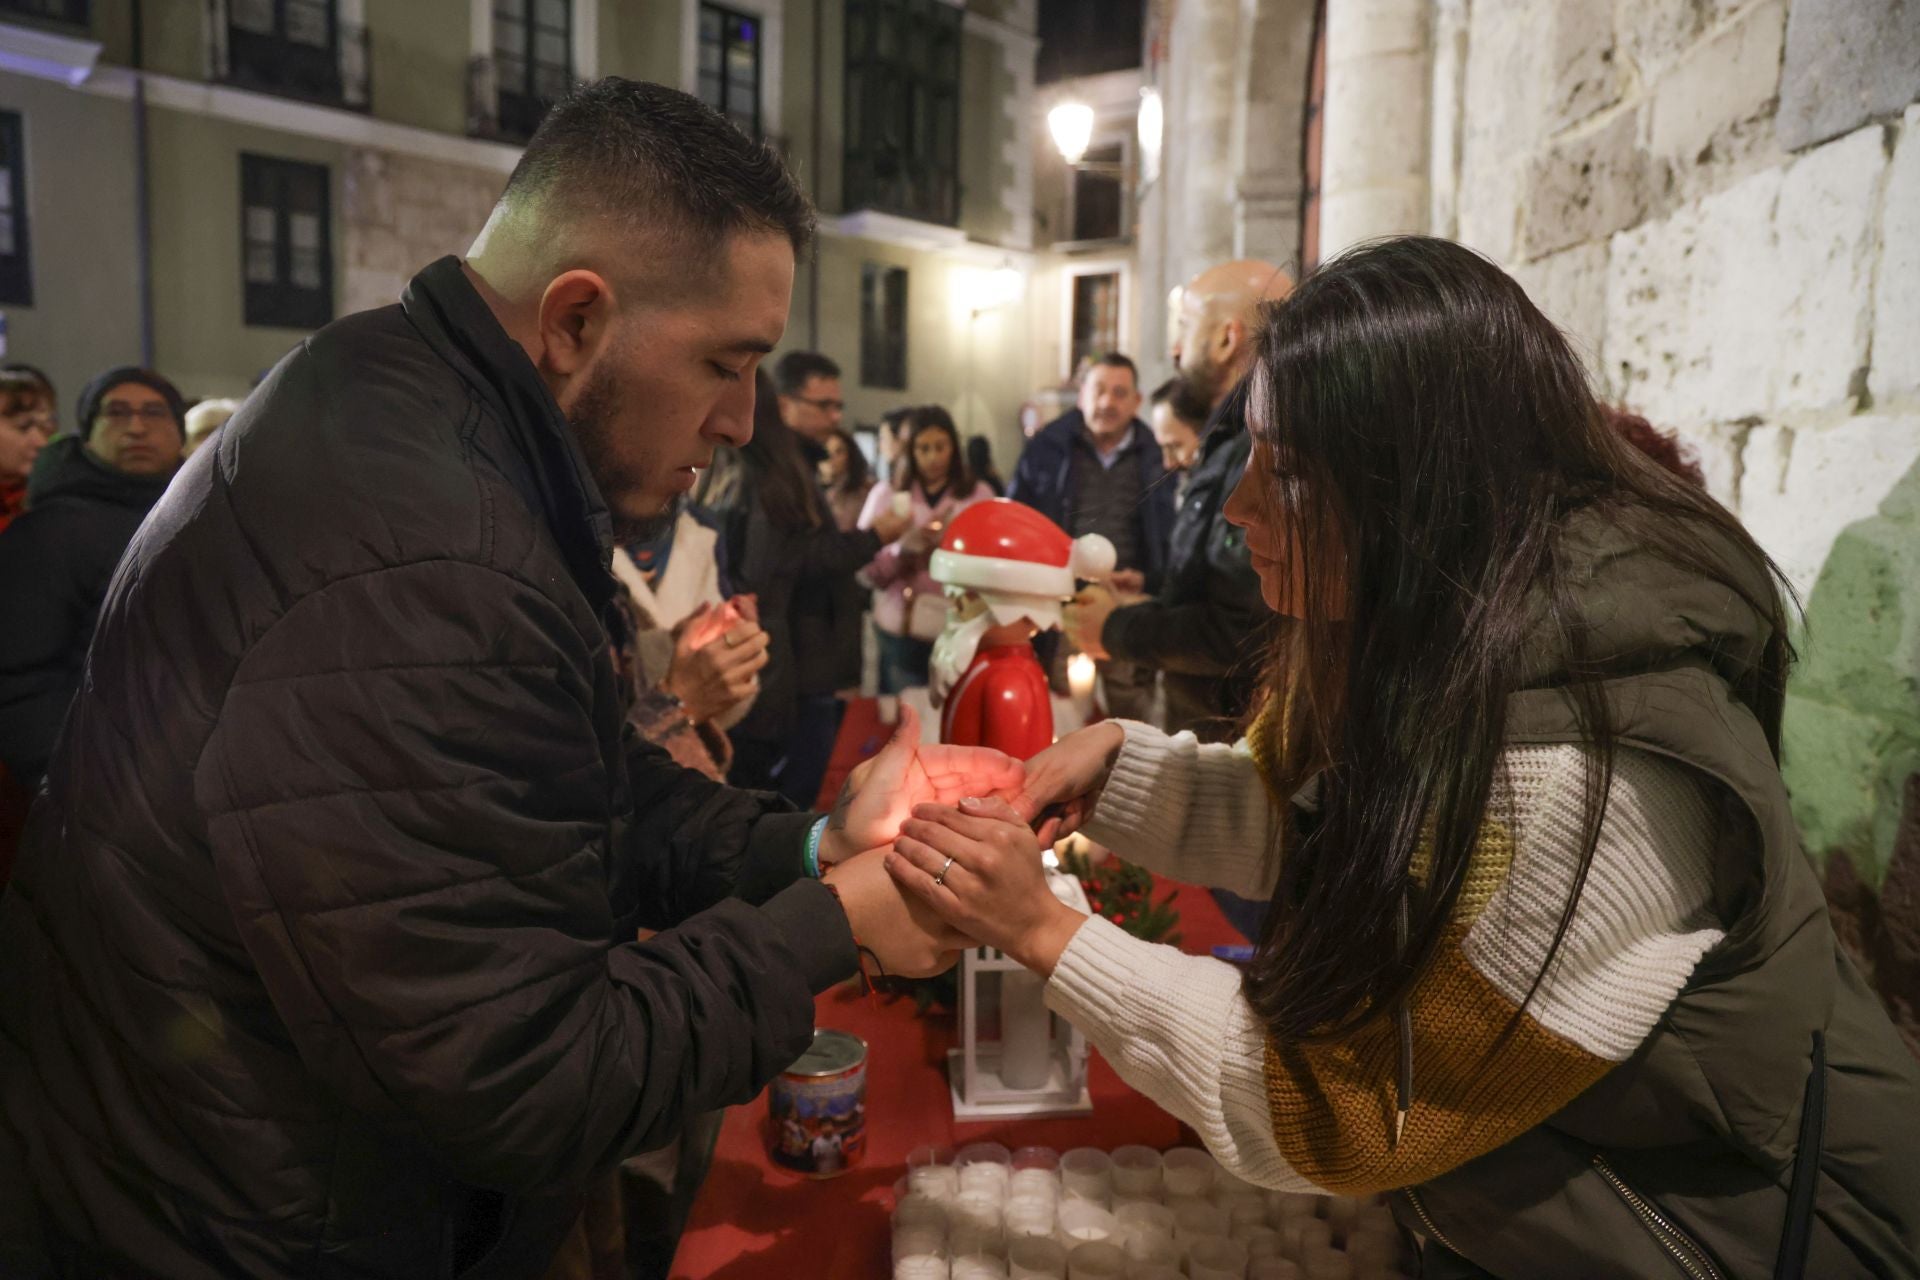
905 937
979 867
1063 781
710 675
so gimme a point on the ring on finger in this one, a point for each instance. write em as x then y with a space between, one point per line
941 879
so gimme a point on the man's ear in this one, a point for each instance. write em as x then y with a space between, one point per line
1231 338
576 313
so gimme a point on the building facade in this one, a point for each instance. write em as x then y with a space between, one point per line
1719 202
201 182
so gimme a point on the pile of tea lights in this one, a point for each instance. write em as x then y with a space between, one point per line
987 1213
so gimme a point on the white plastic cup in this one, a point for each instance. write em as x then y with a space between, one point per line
1198 1221
1144 1247
1273 1269
921 1267
1260 1242
976 1242
1084 1222
1326 1263
1244 1209
1216 1259
1035 1259
1187 1171
1087 1172
977 1212
1282 1205
978 1268
1025 1158
1034 1182
1030 1217
1304 1235
916 1211
1136 1171
984 1179
1096 1261
1143 1215
919 1242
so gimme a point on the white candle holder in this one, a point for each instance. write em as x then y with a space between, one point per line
1187 1171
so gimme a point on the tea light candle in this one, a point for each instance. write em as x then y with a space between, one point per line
1087 1172
1034 1183
971 1210
1036 1260
1187 1171
938 1182
1043 1158
920 1211
984 1179
1145 1250
919 1241
1095 1261
921 1267
1080 676
1144 1216
1084 1222
1136 1171
1030 1216
978 1267
1216 1260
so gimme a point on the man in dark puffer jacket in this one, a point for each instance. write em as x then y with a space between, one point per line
320 958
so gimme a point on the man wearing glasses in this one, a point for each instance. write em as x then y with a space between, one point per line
88 494
810 401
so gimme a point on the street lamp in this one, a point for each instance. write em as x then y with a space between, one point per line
1071 124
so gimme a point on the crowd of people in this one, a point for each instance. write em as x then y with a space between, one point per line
415 787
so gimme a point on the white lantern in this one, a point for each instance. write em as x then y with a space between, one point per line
1038 1066
1071 124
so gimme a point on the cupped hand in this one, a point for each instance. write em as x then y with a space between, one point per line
978 865
881 794
890 525
708 674
1063 782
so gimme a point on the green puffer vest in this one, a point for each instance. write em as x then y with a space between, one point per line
1681 1162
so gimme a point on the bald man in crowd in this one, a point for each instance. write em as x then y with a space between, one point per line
1206 628
321 958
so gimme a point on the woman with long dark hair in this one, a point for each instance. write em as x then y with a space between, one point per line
787 550
909 607
1544 958
845 477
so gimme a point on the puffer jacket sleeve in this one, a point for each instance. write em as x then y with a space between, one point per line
407 805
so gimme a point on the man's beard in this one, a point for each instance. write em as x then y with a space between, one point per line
1204 377
954 651
591 416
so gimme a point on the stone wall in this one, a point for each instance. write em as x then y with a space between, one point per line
1720 201
402 212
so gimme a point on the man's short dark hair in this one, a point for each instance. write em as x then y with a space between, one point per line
797 368
1114 360
664 160
1187 404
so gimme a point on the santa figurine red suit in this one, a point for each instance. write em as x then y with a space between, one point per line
1006 570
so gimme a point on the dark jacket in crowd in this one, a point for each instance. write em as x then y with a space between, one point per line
55 562
1207 628
810 605
1043 480
320 959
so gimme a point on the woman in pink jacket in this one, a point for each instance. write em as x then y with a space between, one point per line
908 607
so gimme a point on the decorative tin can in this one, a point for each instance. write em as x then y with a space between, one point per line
817 1108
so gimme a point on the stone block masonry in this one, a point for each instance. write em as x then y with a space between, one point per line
1719 202
402 212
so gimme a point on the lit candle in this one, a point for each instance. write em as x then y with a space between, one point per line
1080 673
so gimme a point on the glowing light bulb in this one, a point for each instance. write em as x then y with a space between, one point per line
1071 124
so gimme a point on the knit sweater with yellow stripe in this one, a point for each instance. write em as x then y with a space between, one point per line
1320 1116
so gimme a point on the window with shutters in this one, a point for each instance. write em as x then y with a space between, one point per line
297 49
286 242
903 108
883 326
532 60
730 65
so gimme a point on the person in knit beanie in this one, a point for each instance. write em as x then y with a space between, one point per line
87 495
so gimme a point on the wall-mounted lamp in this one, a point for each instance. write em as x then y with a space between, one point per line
1151 124
1071 124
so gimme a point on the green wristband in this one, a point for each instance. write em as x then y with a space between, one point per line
817 830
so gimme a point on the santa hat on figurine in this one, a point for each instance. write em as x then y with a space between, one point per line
1021 564
1017 560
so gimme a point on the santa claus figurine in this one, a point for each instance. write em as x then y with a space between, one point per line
1006 570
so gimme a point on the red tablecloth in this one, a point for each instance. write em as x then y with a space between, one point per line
755 1221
